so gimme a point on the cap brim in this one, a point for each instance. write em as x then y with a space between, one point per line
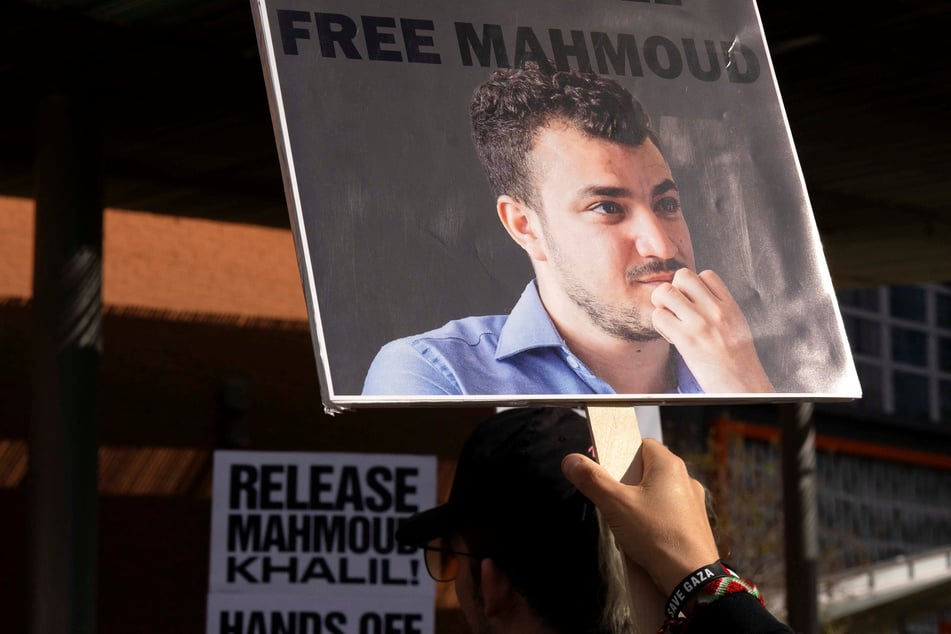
424 527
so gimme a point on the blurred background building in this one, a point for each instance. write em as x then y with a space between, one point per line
883 466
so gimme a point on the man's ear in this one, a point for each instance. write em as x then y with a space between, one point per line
523 224
500 598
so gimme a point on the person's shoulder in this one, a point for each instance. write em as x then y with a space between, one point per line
425 363
469 330
399 369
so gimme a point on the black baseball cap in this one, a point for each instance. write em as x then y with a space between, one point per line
510 502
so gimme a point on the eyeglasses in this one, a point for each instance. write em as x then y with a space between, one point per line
442 562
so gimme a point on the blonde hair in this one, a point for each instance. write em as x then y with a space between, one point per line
618 615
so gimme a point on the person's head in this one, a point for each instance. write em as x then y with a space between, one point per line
526 541
582 186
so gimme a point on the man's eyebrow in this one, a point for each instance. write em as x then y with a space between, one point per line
666 186
623 192
606 191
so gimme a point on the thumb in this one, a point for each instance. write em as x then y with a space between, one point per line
593 481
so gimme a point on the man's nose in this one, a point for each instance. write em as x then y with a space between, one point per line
650 235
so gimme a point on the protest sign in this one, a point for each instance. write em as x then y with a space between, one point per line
317 523
419 284
314 614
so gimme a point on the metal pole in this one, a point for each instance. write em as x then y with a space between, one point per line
800 514
67 342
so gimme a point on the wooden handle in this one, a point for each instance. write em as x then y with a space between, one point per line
617 440
617 443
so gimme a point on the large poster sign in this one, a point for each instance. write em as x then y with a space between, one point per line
303 614
548 201
304 543
317 522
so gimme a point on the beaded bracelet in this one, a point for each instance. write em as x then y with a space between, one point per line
708 592
719 588
692 584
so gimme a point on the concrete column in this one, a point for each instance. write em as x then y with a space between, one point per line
801 517
67 343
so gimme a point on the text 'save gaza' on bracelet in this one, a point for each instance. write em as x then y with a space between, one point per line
708 584
707 589
691 585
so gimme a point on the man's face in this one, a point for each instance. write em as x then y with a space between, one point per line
611 226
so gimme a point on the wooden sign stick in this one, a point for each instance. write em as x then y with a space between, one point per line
617 443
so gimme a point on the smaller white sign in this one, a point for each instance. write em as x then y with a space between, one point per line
314 614
318 522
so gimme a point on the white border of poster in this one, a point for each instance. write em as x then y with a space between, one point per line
396 229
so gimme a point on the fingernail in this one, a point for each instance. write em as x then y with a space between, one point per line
570 463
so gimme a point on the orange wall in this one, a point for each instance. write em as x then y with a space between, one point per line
171 264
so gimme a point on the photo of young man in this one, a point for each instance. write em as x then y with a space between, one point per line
617 304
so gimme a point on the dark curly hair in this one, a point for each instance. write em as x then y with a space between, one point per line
513 104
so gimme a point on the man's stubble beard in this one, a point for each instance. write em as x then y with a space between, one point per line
623 322
628 325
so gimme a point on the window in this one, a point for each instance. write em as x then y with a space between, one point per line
901 340
944 354
945 400
870 377
908 302
911 395
865 335
910 346
943 308
865 298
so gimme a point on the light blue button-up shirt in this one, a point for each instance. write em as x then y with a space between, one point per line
518 353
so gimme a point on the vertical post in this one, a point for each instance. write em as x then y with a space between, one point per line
800 515
617 443
67 342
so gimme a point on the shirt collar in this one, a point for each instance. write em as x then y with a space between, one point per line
527 326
